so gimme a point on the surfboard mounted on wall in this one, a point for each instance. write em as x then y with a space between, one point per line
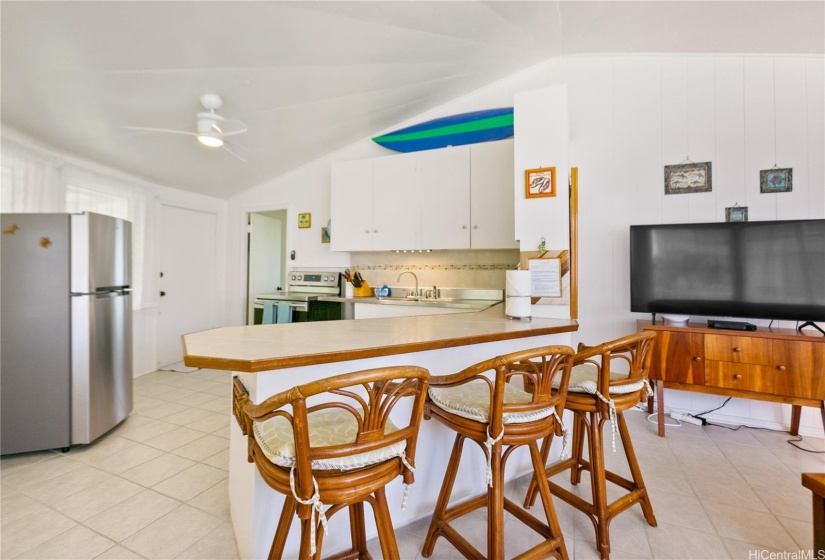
456 130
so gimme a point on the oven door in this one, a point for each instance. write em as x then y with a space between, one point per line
300 311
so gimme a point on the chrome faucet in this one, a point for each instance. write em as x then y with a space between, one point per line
415 293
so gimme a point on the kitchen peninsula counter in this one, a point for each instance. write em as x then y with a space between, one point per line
269 359
269 347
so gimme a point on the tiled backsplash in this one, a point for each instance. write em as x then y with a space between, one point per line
445 269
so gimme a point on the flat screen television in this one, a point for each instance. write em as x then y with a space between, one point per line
757 270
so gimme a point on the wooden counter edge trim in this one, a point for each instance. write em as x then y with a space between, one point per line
815 482
255 366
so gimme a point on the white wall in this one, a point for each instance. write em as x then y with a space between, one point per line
632 115
628 117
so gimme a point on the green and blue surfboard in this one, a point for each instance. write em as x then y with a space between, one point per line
455 130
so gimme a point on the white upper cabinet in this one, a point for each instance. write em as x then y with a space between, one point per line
351 206
492 205
452 198
395 203
444 193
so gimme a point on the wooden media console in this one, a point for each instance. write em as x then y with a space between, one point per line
777 365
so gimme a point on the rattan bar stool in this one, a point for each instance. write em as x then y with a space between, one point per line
331 443
597 395
499 416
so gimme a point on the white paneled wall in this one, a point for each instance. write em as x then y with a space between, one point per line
629 116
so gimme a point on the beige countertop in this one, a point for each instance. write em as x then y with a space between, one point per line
267 347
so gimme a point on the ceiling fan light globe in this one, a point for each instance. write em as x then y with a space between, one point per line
210 141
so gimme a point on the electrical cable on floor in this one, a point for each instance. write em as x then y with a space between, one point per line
643 408
711 410
794 442
791 441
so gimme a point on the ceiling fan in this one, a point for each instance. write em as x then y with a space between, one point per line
212 129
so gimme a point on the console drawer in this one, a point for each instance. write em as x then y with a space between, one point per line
738 349
743 377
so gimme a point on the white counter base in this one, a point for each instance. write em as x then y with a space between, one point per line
255 507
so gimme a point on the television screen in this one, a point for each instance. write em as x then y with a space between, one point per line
759 270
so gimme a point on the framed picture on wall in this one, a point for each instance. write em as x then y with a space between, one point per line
540 182
736 214
686 178
776 180
304 220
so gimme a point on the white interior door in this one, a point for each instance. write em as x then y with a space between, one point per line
188 283
267 238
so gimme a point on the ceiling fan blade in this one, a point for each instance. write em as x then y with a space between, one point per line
231 127
150 129
233 152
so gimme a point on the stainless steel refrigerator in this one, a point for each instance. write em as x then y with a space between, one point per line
65 329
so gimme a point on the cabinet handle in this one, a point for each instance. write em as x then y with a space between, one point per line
697 358
375 231
475 227
366 231
738 376
463 227
737 349
780 368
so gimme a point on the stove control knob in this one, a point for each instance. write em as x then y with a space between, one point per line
293 277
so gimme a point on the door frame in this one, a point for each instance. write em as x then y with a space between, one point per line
244 245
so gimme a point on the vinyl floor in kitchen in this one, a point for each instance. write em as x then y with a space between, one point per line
156 487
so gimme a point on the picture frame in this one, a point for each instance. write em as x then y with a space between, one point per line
325 237
686 178
540 182
304 220
776 180
736 214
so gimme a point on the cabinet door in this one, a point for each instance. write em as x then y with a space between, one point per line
799 369
351 206
678 357
444 192
492 198
395 203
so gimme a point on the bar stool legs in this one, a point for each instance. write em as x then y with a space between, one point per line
599 511
496 504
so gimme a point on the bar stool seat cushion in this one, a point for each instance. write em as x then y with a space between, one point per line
584 379
472 401
327 427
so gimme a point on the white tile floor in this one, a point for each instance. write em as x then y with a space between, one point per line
156 487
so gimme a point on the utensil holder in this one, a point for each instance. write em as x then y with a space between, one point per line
363 291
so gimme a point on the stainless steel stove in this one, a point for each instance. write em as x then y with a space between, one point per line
304 287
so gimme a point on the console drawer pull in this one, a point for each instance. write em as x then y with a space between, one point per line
697 358
737 376
780 368
737 349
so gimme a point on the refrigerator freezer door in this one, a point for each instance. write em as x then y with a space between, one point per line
34 333
101 252
101 363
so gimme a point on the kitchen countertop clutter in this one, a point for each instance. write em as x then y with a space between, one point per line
457 298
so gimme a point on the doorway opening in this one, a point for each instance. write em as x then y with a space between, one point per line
266 256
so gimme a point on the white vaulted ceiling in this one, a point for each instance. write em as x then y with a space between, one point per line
309 78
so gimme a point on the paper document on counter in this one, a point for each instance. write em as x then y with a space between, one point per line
545 277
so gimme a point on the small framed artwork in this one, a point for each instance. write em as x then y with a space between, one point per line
540 182
304 220
736 214
776 180
687 178
325 234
